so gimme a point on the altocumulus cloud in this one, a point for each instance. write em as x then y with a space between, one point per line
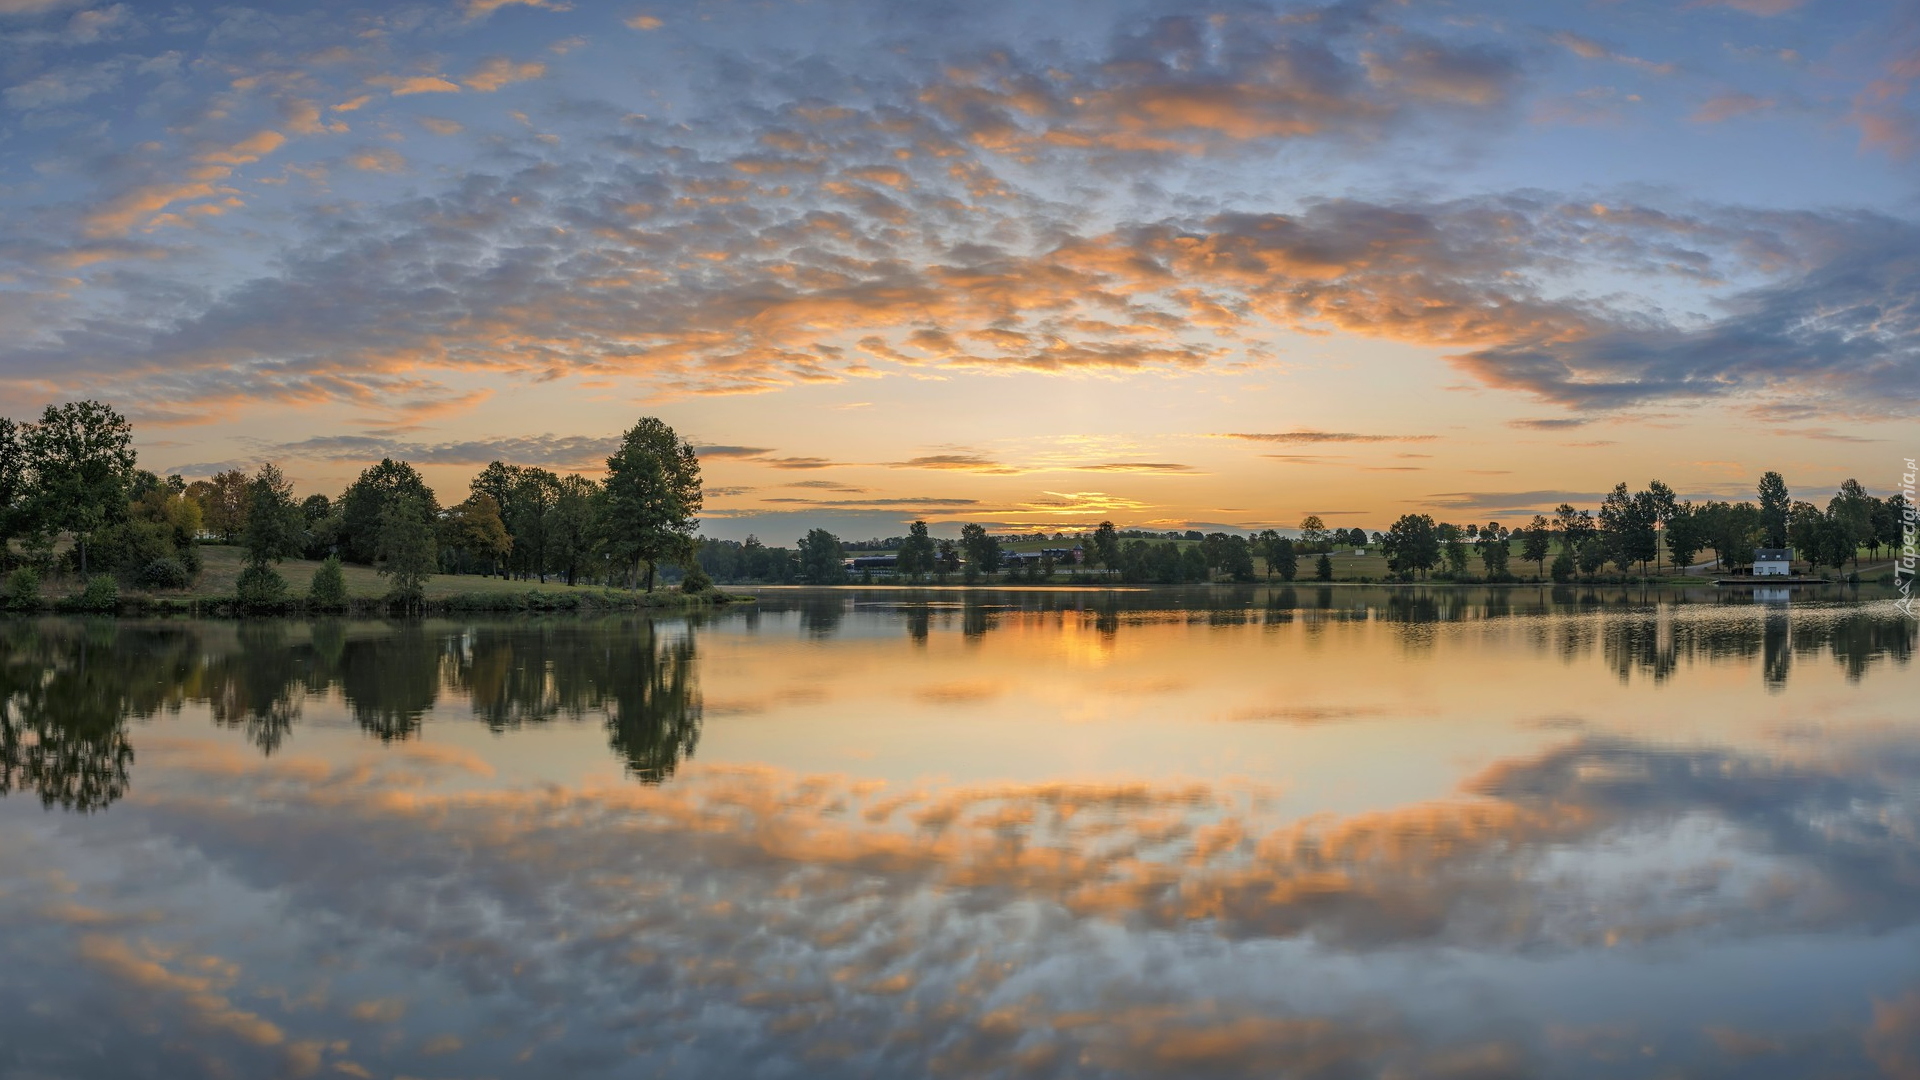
919 196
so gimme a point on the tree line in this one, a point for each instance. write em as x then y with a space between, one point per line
1633 530
73 499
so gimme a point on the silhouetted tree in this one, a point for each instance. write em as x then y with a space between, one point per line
650 497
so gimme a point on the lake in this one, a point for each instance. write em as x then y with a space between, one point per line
1306 831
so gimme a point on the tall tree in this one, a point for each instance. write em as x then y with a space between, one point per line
1627 525
1852 511
16 478
275 527
1576 527
1538 542
406 550
1686 535
365 503
1282 557
1412 544
1494 551
915 558
650 497
982 548
823 560
82 459
528 515
1775 508
1656 506
1106 546
571 526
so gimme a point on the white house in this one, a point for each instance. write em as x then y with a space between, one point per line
1773 562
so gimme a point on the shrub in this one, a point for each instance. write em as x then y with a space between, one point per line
162 574
696 580
1563 568
128 546
329 588
23 588
102 595
1323 569
261 586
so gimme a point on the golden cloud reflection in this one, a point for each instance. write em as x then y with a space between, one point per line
1130 928
425 849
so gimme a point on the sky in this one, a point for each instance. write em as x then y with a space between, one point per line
1034 265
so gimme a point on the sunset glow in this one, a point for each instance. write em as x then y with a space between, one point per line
1022 264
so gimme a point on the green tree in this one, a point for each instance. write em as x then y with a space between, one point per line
1494 552
322 526
1576 528
1282 557
328 590
1852 512
16 479
1593 555
1893 521
571 526
1412 544
1686 535
364 506
1106 546
528 517
1775 509
1537 542
275 527
1323 567
915 558
81 458
982 549
1627 524
823 561
1236 558
407 551
650 497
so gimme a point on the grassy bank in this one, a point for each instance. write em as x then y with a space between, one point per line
213 592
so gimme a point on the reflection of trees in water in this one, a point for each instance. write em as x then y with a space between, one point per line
820 616
68 688
1656 644
66 692
391 681
259 687
654 719
640 679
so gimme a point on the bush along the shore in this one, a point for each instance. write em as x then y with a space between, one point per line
329 589
100 597
23 589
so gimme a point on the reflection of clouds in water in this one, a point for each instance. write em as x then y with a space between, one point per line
747 916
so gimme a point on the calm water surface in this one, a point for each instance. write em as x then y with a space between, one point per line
1328 832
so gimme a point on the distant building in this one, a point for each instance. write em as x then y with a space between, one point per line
1061 557
869 563
1773 562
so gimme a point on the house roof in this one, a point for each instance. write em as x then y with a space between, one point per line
1772 554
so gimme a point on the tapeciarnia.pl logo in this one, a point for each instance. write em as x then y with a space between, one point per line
1903 572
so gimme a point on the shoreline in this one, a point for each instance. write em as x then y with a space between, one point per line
531 602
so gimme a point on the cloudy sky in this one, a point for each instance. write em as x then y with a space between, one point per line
1165 263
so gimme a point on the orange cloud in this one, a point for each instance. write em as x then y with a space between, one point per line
497 71
403 85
